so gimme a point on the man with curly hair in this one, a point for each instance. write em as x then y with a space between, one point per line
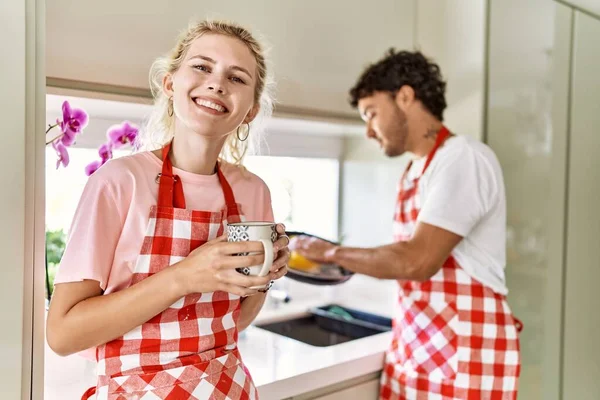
454 336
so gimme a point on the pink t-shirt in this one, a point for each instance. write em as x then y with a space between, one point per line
109 224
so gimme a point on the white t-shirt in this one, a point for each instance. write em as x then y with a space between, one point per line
462 191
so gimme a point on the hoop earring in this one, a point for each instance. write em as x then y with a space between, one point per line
238 133
170 110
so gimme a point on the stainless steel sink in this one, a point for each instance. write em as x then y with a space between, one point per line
330 325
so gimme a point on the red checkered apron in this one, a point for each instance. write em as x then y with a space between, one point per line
189 350
453 337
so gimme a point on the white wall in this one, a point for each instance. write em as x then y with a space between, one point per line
369 181
452 32
368 195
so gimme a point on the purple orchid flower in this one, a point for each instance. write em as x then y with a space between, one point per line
63 154
93 167
119 135
73 122
105 152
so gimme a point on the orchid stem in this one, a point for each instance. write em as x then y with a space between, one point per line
50 127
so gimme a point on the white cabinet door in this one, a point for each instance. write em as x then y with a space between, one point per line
363 391
582 316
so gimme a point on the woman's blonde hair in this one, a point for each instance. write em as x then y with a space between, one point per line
159 127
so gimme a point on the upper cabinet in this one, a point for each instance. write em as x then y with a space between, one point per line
318 48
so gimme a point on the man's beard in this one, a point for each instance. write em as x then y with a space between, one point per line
397 147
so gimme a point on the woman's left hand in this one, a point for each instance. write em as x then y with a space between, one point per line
282 254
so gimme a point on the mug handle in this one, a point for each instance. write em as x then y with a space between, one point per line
268 246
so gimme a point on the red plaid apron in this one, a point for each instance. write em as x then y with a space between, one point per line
453 338
189 350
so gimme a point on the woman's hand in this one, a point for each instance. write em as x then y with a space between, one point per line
251 306
212 267
282 254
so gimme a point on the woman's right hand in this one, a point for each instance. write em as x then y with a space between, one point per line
212 267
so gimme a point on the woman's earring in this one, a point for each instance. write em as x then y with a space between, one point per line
238 133
170 110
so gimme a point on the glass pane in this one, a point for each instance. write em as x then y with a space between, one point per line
304 192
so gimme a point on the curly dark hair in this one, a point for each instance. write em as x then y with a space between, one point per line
397 69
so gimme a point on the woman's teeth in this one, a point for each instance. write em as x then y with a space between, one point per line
210 104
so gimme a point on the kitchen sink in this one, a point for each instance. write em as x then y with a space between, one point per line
330 325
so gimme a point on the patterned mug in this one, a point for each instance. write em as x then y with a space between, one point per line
264 232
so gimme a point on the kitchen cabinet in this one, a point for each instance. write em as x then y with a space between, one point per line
581 352
519 106
543 114
117 61
573 245
362 391
361 388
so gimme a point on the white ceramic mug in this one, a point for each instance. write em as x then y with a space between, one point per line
264 232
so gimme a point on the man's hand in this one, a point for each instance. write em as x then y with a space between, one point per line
314 249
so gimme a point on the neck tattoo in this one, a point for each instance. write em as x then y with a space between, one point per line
431 133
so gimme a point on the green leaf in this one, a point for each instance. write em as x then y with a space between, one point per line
55 246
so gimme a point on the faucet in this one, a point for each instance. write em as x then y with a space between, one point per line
278 294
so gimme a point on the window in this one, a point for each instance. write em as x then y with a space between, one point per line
65 185
63 190
304 192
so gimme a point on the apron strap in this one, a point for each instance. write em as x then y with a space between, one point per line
227 192
442 135
89 393
170 189
406 171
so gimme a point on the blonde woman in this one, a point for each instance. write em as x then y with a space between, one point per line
148 283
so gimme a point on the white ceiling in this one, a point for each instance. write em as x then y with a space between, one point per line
318 47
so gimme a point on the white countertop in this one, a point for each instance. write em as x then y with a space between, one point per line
282 367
